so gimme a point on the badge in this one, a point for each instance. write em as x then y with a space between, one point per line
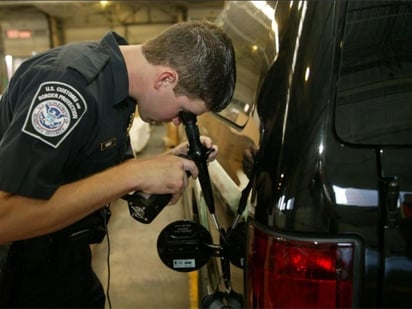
108 144
56 109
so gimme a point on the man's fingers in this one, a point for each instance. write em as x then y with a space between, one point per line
190 166
206 141
175 198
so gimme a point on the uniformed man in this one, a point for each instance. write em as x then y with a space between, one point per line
64 149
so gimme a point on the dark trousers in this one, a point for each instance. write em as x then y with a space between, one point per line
50 273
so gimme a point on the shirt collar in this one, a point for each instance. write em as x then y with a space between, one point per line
111 42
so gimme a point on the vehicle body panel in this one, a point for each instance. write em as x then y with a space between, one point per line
319 183
311 180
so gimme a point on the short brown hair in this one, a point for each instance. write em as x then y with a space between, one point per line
203 56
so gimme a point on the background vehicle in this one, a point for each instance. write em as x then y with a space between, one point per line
329 222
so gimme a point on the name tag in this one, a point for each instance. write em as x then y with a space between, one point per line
108 144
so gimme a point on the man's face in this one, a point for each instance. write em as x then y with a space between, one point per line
165 106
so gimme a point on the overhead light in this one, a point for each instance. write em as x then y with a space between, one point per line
103 3
264 8
18 34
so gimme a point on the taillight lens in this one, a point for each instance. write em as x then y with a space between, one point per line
284 272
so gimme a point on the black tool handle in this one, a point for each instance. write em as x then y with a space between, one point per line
198 153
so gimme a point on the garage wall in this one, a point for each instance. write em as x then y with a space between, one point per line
134 34
15 23
28 30
136 30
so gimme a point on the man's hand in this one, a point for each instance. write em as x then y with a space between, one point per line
183 148
164 174
249 160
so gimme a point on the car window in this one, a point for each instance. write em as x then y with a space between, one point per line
374 89
254 40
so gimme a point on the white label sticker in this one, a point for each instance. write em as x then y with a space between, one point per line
184 263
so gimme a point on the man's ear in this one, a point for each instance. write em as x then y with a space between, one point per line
166 78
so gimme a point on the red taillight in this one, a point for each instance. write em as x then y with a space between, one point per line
287 272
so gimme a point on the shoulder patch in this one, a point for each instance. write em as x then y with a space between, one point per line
56 109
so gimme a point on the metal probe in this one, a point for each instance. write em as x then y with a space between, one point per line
199 153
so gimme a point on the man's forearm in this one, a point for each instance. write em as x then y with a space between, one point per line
22 217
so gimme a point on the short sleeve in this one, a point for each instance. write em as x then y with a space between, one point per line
48 116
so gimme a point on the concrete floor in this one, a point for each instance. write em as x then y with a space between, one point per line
138 278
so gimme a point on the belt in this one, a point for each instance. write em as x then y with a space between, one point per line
47 253
70 243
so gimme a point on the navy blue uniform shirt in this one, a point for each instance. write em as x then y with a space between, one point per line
64 116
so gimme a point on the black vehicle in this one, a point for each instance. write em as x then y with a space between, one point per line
331 222
329 214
